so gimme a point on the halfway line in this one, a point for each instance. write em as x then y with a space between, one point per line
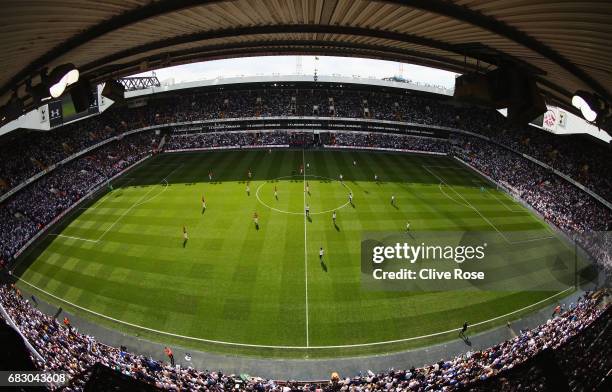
305 246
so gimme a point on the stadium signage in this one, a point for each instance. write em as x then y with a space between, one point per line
236 147
383 149
322 123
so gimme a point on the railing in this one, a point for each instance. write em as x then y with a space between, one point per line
332 146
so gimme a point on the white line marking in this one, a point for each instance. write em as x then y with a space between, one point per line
306 290
300 213
126 211
141 201
450 197
305 247
103 199
469 205
74 238
504 204
138 203
288 347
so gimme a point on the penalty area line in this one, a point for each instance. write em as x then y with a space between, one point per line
477 211
74 238
504 204
107 196
139 202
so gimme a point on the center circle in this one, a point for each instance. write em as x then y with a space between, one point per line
298 182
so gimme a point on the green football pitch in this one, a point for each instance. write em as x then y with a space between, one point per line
121 259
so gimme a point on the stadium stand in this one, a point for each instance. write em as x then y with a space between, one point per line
511 365
577 157
30 210
564 205
65 349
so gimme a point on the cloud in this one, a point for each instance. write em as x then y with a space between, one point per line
286 65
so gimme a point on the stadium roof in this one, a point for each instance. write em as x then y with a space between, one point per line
565 43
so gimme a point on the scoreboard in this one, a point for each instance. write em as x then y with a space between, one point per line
62 111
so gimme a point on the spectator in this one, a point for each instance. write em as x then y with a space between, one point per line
72 352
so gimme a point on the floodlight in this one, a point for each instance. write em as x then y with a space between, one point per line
60 78
588 104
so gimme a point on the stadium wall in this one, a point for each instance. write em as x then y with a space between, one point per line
228 148
311 123
383 149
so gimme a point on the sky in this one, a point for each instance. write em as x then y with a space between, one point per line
286 65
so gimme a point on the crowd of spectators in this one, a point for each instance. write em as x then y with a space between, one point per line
559 202
31 209
227 139
583 159
27 154
581 363
185 141
391 141
65 349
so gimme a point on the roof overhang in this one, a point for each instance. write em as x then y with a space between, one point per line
563 44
